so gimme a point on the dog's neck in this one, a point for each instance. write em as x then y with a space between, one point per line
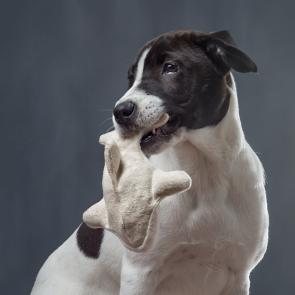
214 146
221 143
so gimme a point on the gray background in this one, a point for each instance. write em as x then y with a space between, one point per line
63 65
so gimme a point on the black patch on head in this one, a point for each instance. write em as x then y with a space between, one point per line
89 240
195 93
131 74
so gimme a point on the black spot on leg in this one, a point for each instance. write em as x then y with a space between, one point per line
89 240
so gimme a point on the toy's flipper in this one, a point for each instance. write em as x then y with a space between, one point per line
170 183
96 215
111 155
112 161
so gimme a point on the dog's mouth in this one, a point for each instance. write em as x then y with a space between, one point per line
160 133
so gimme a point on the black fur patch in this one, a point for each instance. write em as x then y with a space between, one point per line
89 240
197 95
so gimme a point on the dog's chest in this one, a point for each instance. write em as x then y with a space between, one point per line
194 268
205 203
201 217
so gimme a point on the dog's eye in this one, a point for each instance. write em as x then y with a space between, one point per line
169 68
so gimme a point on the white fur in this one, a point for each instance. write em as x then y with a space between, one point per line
208 240
132 92
149 107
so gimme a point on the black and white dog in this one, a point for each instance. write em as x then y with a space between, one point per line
210 238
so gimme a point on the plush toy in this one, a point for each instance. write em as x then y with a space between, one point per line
132 190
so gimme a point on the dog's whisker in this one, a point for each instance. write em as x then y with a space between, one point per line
104 121
110 128
105 110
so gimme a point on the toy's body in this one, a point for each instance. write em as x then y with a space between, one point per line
132 189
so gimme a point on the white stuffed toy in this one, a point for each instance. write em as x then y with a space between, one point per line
132 190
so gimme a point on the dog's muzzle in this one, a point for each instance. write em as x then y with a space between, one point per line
130 118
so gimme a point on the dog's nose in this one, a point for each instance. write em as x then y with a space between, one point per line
124 111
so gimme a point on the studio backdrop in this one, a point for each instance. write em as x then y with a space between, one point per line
63 64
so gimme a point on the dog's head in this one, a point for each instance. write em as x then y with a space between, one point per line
184 74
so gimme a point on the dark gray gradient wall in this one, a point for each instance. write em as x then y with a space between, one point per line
63 65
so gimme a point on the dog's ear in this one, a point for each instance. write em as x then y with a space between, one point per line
221 49
224 36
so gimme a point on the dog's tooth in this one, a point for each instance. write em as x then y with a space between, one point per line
154 131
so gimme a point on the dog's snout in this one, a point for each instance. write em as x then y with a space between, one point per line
124 111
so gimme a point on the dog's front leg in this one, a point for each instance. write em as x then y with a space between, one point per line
138 275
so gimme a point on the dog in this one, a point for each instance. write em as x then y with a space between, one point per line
208 239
